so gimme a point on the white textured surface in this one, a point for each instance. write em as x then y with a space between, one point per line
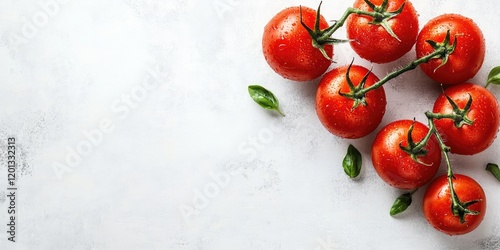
192 124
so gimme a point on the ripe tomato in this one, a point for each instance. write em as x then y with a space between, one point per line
484 114
287 46
373 42
437 204
466 59
395 166
337 112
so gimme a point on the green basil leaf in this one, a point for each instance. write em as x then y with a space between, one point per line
493 168
401 204
494 76
264 98
352 162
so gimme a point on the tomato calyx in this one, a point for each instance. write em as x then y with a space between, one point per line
459 116
445 48
416 150
459 208
356 93
320 37
381 15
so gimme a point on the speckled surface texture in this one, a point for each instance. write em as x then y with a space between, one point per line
134 130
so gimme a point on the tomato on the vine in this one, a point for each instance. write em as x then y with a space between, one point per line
475 127
287 45
372 41
437 204
467 56
348 117
397 163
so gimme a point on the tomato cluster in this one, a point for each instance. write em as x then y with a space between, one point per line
351 102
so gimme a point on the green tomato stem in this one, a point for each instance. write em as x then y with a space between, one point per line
458 207
441 51
438 52
380 16
339 23
358 94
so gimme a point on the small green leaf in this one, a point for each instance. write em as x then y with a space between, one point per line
264 98
401 204
493 168
352 162
494 76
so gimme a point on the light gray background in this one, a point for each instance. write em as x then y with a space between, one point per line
185 159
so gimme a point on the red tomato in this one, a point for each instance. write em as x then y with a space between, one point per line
484 114
336 112
287 46
373 42
466 59
395 166
437 204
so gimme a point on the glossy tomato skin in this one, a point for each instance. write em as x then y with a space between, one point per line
336 112
437 204
466 59
484 112
395 166
372 42
287 46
